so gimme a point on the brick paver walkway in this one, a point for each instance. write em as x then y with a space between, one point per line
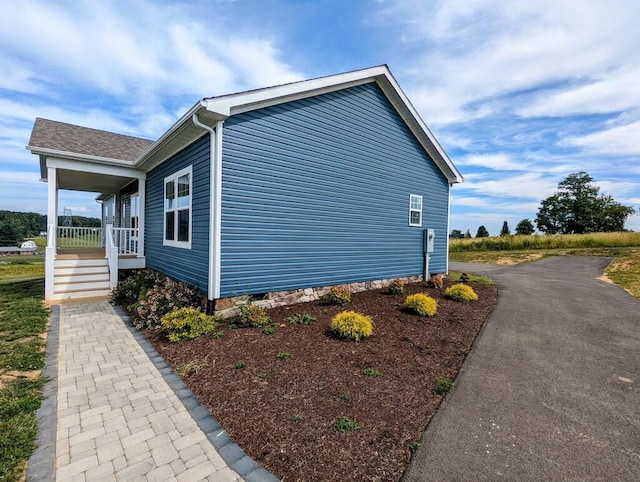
118 418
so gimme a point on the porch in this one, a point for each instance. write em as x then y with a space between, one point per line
86 260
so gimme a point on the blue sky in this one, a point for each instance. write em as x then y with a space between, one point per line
519 93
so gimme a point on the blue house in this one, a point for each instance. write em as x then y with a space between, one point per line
278 193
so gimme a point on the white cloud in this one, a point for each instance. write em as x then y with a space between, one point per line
464 55
623 139
611 91
527 185
496 162
147 49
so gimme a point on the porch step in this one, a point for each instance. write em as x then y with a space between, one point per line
80 278
74 295
77 263
81 270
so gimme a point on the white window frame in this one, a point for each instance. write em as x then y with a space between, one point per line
173 178
412 209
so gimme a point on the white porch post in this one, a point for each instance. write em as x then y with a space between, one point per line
52 230
141 209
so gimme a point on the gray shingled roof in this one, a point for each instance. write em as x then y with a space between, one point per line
59 136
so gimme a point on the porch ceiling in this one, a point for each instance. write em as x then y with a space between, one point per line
91 182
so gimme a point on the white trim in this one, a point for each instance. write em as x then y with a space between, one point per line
412 210
446 251
173 178
81 166
43 151
227 105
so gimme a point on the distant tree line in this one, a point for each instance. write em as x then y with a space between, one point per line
16 226
577 207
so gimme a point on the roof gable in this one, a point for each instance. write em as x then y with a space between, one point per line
222 107
50 137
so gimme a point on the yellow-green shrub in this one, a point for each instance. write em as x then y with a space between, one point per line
253 315
461 292
396 287
336 296
422 304
351 325
185 324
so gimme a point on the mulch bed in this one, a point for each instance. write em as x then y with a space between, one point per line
283 412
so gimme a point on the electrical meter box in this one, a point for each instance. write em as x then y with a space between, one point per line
429 239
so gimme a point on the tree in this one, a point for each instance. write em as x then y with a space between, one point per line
467 235
456 234
505 231
525 227
577 207
482 232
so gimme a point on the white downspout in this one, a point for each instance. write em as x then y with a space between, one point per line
215 209
446 260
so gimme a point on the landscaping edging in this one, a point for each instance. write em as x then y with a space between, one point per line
230 452
41 464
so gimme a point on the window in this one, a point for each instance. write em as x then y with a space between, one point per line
177 209
415 210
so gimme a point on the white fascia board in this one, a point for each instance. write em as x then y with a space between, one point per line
95 168
410 115
227 105
49 153
167 136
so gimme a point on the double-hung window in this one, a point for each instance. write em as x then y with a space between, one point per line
415 210
177 209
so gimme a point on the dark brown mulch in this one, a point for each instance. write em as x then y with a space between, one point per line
282 412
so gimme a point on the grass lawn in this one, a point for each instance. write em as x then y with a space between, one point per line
624 270
21 268
23 320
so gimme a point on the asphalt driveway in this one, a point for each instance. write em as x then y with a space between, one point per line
551 389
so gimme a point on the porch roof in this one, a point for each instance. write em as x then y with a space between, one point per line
71 143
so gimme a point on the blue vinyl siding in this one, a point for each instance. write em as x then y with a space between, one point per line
189 265
316 192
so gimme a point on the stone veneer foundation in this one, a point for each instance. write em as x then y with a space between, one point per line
227 307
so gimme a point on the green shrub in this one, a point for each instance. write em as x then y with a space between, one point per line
185 324
421 304
128 291
371 372
161 299
461 292
346 424
253 315
336 296
301 319
351 325
396 287
443 385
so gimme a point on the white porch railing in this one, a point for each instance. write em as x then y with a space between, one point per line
126 239
79 237
112 257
